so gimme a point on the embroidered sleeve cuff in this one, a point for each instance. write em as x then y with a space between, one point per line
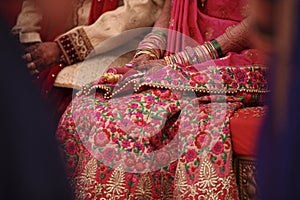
29 37
75 46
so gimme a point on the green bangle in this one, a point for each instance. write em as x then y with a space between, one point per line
217 47
160 33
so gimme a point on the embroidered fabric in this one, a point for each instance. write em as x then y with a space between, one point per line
75 46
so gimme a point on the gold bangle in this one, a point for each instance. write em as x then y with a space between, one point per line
168 60
148 52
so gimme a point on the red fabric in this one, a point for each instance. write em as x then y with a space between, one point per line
55 13
245 126
201 26
56 16
101 7
193 26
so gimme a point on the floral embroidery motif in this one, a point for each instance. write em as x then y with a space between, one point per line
172 129
203 167
248 113
249 82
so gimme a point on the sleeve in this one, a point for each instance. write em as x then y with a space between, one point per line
79 42
28 24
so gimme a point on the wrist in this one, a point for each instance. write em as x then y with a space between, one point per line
154 44
147 53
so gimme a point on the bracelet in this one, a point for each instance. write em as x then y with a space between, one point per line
193 55
211 50
217 47
168 60
155 42
148 52
160 33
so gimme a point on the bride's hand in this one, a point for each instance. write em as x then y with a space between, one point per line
140 60
140 63
150 64
113 75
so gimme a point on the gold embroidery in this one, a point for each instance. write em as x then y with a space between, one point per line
208 176
166 189
87 186
81 43
144 188
86 181
75 45
116 185
207 187
181 185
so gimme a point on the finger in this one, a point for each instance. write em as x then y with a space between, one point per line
27 57
138 63
34 55
142 64
40 64
31 48
34 72
139 60
123 70
31 65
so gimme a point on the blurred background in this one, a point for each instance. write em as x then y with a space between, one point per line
30 165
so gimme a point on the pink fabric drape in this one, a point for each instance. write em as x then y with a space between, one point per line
191 25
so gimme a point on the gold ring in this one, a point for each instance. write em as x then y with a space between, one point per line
31 65
28 57
34 72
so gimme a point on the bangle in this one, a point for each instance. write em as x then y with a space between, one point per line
148 52
168 60
160 33
211 49
217 47
193 55
155 43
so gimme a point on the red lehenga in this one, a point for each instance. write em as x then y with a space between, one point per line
168 138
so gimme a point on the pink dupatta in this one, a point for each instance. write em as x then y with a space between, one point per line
206 23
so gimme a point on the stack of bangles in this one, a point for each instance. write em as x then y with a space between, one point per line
153 45
207 51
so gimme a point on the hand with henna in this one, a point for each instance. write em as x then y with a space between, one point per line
160 25
41 56
143 60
